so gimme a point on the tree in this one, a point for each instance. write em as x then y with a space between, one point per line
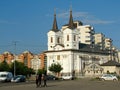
21 69
41 71
4 66
55 68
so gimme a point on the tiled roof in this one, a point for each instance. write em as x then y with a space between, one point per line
91 48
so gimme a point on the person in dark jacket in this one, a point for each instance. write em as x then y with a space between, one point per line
45 79
39 80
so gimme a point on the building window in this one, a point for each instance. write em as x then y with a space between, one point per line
58 57
51 39
74 37
58 40
67 37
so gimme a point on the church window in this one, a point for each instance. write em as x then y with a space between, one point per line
58 57
74 37
67 37
51 39
58 40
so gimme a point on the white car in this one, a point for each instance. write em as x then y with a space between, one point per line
67 77
108 77
5 76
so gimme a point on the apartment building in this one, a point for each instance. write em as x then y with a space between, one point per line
26 57
99 40
7 56
108 43
35 62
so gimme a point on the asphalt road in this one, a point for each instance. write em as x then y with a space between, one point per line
81 84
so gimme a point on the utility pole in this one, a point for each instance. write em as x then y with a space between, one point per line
15 43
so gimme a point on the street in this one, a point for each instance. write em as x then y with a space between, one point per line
81 84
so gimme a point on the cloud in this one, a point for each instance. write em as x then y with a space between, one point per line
6 22
85 17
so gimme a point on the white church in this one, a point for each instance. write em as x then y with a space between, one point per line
73 48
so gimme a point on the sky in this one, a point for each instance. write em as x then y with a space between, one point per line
24 24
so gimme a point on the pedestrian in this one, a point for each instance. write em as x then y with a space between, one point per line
37 80
45 79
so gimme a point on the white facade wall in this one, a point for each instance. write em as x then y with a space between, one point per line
54 36
71 43
70 61
64 61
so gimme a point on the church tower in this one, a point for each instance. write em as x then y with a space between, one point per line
54 36
70 35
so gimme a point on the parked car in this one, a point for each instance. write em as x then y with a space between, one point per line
52 77
67 77
18 78
5 76
108 77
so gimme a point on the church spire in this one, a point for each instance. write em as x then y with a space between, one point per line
55 27
71 24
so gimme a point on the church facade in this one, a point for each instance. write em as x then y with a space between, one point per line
73 47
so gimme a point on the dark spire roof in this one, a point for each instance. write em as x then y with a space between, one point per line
71 24
55 27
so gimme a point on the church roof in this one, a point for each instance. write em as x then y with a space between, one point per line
90 48
71 24
55 27
111 63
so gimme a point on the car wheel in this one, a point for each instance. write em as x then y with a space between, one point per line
114 79
53 78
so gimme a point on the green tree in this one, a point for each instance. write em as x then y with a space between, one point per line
4 66
41 71
55 68
21 69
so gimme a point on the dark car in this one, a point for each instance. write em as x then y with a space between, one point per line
52 77
18 78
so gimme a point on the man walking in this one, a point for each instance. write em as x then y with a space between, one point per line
39 80
45 79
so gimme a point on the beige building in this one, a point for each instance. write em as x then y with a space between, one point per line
99 39
108 43
111 67
35 62
93 70
86 33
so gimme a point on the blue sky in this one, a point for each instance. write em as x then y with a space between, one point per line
28 21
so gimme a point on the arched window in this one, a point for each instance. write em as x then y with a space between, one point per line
51 40
67 37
